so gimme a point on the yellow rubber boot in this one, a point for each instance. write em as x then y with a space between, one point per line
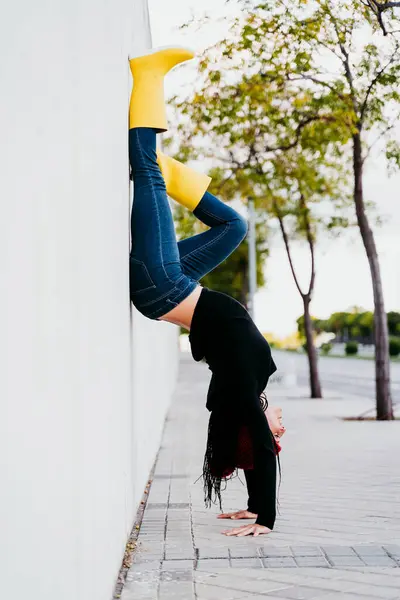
147 105
183 184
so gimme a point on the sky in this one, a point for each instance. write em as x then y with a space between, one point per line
343 278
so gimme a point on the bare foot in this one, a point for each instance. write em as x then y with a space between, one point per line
240 514
254 529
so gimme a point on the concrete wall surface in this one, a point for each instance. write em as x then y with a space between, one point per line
85 381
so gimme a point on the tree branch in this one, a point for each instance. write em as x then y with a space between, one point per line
379 8
373 83
298 131
287 246
310 241
318 81
380 136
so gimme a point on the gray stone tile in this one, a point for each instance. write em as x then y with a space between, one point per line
379 561
306 551
211 592
393 549
212 563
247 563
174 574
179 554
142 590
279 561
244 552
176 590
171 565
216 552
370 550
345 561
272 551
331 550
311 561
301 593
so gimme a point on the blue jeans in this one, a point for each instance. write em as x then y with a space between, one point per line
163 272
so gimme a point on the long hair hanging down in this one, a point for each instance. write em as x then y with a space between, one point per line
220 459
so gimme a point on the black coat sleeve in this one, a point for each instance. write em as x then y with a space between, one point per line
251 483
263 486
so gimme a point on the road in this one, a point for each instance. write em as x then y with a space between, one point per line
344 375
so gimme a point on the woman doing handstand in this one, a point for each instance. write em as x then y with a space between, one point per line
164 285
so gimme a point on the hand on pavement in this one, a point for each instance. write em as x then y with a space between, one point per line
254 529
240 514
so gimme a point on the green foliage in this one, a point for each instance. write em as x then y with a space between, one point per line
326 349
352 324
394 323
351 348
283 95
394 346
301 327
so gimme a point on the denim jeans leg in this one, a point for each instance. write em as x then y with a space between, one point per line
153 234
201 253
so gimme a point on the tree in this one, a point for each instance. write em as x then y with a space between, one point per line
270 156
318 79
381 9
359 91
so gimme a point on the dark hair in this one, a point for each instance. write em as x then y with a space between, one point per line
219 454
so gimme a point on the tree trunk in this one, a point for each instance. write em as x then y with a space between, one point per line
384 408
315 384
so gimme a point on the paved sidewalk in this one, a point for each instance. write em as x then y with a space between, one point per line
338 532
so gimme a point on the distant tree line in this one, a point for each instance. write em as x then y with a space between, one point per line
356 325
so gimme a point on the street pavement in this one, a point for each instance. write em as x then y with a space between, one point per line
348 375
338 530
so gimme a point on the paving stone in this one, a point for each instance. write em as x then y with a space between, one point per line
301 593
370 551
218 552
393 550
245 552
306 551
212 563
339 551
345 561
379 561
211 592
247 563
142 590
179 554
175 590
170 565
311 561
272 551
279 561
184 574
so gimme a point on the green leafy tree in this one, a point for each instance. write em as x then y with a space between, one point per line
299 75
271 157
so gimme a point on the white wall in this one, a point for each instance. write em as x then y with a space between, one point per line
82 375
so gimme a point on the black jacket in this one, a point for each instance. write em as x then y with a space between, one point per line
239 357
